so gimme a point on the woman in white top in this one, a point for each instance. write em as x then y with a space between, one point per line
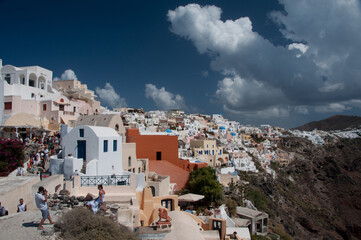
21 206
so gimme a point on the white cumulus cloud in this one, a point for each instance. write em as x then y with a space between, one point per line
258 75
332 107
67 75
203 26
298 46
240 94
329 87
270 112
109 97
163 99
302 109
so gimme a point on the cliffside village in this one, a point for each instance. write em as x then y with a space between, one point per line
142 158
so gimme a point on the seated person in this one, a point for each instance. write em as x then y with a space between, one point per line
93 205
3 211
22 206
98 202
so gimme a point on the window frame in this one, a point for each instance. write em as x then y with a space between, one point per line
115 145
105 146
8 105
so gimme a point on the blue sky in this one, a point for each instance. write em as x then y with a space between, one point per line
283 63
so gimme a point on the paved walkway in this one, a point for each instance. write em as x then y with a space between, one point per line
24 225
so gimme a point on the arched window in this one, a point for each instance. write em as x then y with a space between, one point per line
116 127
41 82
32 80
129 161
61 100
22 79
8 78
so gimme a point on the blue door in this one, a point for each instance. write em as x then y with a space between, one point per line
82 149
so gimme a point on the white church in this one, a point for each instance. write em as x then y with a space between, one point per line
89 150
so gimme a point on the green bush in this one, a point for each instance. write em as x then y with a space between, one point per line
232 207
257 139
260 200
11 154
275 165
82 224
259 237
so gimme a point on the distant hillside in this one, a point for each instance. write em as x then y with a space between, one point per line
318 195
337 122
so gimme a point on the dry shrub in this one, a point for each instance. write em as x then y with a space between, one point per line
280 230
82 224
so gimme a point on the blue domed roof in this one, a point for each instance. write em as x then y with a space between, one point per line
233 134
222 128
168 131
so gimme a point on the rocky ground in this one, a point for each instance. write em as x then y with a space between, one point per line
24 225
319 195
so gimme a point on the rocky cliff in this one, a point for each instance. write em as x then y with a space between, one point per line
318 196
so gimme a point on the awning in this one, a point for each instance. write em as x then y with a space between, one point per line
24 119
190 197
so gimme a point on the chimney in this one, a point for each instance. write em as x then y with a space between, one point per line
1 63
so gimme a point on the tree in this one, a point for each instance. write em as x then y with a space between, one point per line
204 181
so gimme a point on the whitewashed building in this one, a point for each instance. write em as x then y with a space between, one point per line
29 91
97 150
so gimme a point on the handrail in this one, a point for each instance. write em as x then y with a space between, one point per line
105 180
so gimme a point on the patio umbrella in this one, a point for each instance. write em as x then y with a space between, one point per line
190 197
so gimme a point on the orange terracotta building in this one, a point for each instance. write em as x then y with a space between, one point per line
162 152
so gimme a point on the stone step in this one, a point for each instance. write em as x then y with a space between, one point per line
119 197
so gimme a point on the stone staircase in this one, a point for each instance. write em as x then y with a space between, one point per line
83 169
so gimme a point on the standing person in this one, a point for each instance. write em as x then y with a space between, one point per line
46 154
21 170
22 206
40 199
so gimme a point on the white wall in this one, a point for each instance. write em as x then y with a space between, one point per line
71 166
91 167
98 161
56 165
110 162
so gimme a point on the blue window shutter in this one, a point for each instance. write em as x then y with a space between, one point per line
105 147
115 146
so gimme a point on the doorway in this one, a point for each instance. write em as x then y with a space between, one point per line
159 155
82 149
